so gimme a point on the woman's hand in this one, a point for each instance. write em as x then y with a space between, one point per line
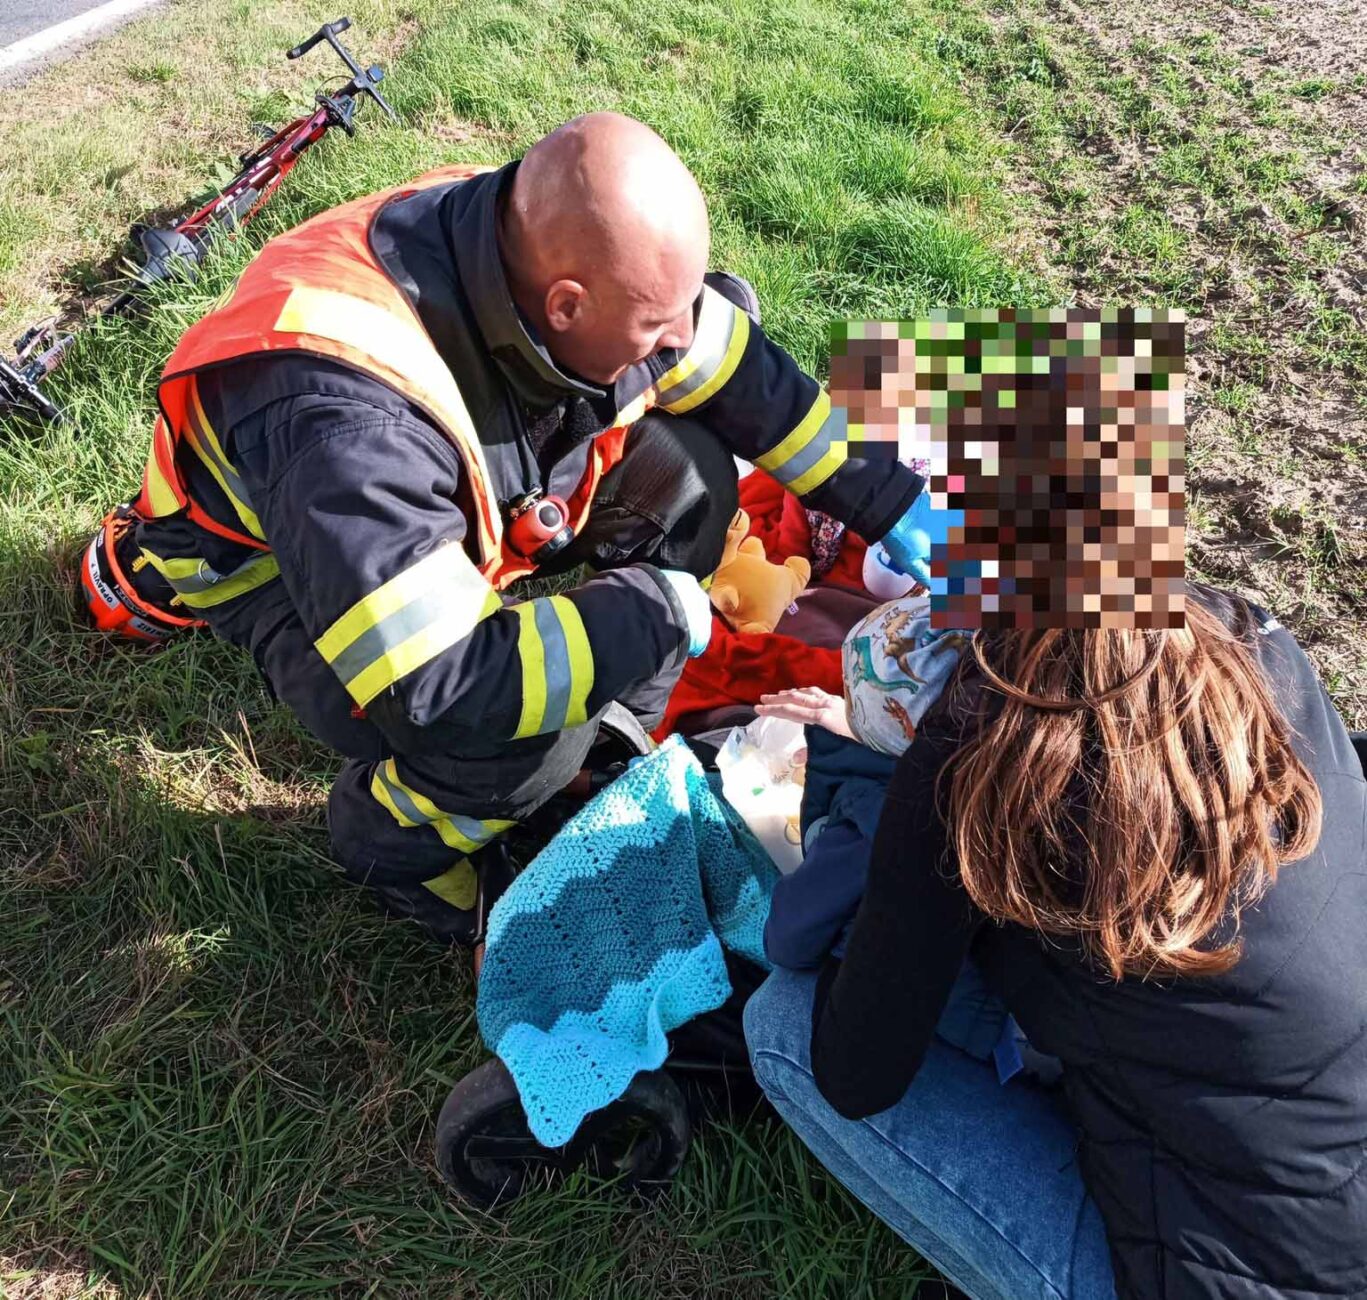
809 705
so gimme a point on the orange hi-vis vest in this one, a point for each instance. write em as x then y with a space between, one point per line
319 289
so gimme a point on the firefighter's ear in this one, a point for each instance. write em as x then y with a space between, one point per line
564 304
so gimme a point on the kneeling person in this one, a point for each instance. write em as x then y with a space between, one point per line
411 401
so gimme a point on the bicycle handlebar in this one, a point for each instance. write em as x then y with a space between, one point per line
327 32
185 242
363 80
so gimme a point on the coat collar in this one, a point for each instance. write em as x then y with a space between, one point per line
509 336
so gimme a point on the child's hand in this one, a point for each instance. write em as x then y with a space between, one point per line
809 705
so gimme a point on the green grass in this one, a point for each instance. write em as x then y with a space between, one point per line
221 1069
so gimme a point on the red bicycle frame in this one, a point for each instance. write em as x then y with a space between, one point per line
182 245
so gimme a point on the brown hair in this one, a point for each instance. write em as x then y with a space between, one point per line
1191 795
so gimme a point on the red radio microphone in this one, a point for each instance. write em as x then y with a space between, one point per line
538 526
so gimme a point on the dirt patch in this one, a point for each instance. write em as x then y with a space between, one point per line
48 1275
1310 41
1267 252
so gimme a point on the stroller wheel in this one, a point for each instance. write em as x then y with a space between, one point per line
488 1156
642 1137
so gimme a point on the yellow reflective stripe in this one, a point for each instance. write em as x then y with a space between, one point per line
445 564
776 457
160 492
580 660
631 412
835 456
417 650
406 622
200 587
459 886
557 666
380 793
673 377
714 319
218 464
740 335
452 835
533 657
798 442
410 809
183 572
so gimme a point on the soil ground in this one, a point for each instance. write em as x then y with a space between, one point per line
1211 156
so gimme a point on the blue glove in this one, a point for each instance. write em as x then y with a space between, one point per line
697 608
910 540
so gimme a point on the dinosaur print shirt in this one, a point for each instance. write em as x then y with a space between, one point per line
895 665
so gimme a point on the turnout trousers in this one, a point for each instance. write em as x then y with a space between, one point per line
405 820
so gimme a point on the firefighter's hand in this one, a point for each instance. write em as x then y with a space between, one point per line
910 540
697 609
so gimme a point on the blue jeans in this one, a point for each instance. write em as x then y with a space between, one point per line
980 1177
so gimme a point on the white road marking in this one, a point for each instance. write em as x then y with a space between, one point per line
74 30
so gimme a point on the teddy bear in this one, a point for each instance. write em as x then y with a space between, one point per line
747 590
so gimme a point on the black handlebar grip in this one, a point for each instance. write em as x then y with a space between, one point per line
322 34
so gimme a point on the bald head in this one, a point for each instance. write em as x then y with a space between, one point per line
605 240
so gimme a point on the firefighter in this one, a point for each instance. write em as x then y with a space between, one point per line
416 398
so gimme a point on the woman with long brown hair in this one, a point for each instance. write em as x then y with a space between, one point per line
1150 844
1134 817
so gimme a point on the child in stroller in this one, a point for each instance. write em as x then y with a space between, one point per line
485 1150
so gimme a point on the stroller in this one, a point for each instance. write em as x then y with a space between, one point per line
485 1150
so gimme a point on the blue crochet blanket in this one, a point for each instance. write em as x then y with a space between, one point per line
613 936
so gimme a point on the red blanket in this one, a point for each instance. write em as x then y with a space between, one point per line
739 667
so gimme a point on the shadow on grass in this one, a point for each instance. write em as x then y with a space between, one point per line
224 1068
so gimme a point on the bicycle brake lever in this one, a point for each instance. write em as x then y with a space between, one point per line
19 390
36 338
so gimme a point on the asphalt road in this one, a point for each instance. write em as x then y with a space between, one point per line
35 34
20 18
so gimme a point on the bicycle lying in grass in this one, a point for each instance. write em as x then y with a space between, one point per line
181 246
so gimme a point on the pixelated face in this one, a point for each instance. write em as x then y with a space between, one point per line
1059 435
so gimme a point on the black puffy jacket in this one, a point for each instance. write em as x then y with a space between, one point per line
1223 1120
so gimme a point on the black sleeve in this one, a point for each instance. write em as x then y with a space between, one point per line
767 410
813 904
876 1010
360 498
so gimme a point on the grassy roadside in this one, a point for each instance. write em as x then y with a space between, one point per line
139 123
224 1069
